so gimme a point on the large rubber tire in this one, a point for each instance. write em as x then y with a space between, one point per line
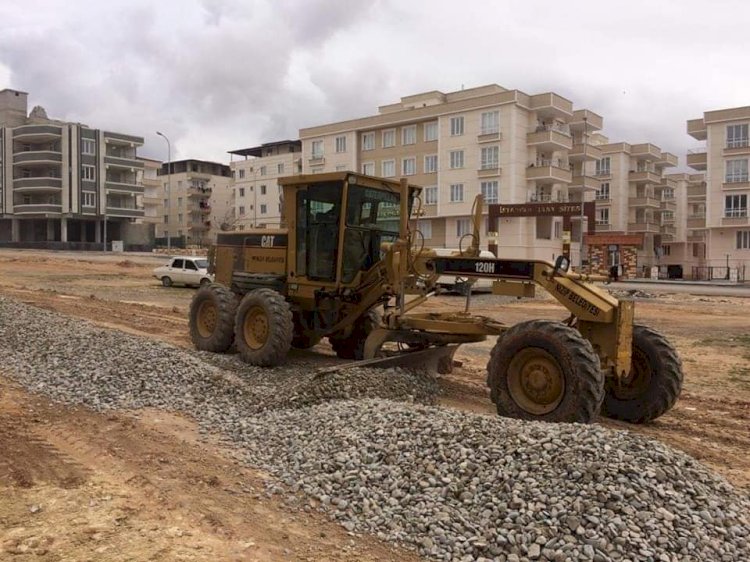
303 338
545 371
654 384
353 345
263 328
212 312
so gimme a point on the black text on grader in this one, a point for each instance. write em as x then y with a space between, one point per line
348 252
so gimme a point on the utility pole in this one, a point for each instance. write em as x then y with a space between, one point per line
169 189
583 185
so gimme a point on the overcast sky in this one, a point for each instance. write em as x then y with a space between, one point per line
217 75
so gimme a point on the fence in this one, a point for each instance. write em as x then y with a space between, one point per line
720 272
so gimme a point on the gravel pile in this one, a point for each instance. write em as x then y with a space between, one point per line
453 485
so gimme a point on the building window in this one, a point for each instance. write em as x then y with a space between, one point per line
489 191
457 192
317 149
490 123
242 174
262 189
88 146
280 168
179 201
431 131
490 157
743 239
736 171
602 194
341 144
667 194
603 166
409 134
262 170
667 216
263 208
735 206
368 168
409 166
457 126
430 164
425 227
666 250
737 136
463 227
166 202
389 138
557 230
431 195
88 199
242 192
179 217
602 216
88 172
166 219
388 168
242 210
457 159
368 141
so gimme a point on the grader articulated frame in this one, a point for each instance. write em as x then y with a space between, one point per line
349 251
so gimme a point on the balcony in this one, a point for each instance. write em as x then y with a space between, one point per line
40 133
551 105
123 187
737 146
696 221
488 171
37 185
646 151
736 182
696 191
127 212
697 158
204 210
38 209
41 157
582 152
735 220
316 160
126 162
668 205
697 236
586 120
199 192
603 227
586 183
546 198
550 138
549 171
489 136
152 201
667 183
644 176
645 226
667 160
122 139
668 229
644 201
696 128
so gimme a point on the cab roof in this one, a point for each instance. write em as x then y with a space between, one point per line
351 177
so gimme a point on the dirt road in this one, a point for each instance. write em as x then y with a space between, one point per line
150 482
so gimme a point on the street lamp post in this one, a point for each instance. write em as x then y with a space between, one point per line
583 182
169 188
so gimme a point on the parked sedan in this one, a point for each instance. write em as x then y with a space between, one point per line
184 270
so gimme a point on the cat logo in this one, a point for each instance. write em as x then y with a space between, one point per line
267 241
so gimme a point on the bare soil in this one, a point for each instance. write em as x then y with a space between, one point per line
124 488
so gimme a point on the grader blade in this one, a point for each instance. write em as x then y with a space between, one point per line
433 359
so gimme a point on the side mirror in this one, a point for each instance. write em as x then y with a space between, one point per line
562 263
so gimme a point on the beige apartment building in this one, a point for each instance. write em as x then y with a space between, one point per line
151 201
508 145
640 211
66 185
719 207
196 202
257 196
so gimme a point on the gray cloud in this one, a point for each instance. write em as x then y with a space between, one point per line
222 74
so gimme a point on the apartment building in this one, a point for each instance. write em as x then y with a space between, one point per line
65 182
508 145
153 208
257 196
638 210
196 202
724 228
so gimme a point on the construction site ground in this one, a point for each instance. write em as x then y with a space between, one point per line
124 487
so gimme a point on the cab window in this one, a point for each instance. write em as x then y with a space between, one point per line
323 208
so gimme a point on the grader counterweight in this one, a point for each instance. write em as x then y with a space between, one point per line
349 267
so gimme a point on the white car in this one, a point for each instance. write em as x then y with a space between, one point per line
459 284
184 270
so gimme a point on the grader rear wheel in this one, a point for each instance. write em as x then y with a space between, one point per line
212 318
653 384
545 371
263 328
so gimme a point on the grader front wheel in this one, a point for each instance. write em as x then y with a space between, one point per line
212 318
653 384
545 371
263 328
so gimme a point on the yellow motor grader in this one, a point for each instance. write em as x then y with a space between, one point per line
349 267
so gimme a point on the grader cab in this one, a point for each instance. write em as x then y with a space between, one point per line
349 267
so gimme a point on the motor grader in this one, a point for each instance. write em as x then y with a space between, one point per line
350 266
